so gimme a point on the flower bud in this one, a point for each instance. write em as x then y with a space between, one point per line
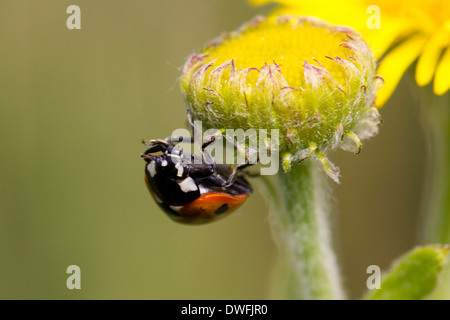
314 82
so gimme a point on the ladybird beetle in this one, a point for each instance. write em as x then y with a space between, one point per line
192 192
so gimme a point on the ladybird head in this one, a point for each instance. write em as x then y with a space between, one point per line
166 159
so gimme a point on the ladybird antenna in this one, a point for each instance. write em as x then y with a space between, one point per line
157 145
146 156
160 142
189 117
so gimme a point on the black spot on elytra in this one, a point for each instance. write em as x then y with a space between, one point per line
223 208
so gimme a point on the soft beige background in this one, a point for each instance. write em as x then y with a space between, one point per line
74 106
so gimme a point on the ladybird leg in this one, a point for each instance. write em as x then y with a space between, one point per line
210 139
202 170
207 141
191 122
189 117
207 158
250 155
243 149
234 172
180 139
207 166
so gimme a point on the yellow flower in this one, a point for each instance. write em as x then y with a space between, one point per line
409 31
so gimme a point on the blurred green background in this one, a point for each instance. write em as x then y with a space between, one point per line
74 105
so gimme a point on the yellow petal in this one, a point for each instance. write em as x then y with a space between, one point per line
428 60
395 64
380 40
442 78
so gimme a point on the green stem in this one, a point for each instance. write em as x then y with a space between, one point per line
299 203
436 112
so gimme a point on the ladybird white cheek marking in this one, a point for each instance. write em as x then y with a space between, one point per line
188 185
163 163
151 168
